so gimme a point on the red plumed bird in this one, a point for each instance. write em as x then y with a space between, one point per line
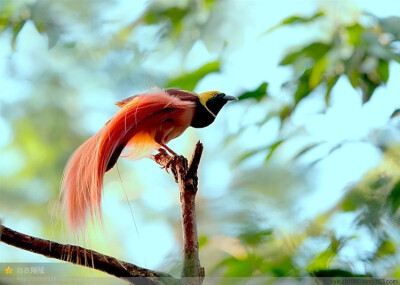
145 122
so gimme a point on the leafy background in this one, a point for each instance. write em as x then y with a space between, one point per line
300 177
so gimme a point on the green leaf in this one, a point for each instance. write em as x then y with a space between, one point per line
394 197
257 94
352 66
354 77
368 87
317 71
292 20
330 83
325 258
387 247
203 241
254 238
355 32
383 70
272 149
155 15
189 81
232 137
303 87
291 57
307 149
269 116
300 20
352 201
395 113
208 4
379 183
239 267
314 50
16 29
248 154
285 112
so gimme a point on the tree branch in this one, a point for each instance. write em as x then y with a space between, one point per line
186 177
85 257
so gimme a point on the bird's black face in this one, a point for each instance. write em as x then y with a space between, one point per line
205 115
215 103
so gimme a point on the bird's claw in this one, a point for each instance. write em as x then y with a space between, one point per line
161 152
173 162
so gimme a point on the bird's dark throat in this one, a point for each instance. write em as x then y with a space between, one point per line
202 117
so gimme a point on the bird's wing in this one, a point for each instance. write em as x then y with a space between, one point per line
177 93
183 95
125 101
83 175
142 143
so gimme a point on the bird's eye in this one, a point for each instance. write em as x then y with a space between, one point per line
215 94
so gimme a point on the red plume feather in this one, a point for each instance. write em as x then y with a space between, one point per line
138 125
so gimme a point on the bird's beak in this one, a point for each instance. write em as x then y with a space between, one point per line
230 98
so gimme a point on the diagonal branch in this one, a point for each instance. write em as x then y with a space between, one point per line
85 257
186 177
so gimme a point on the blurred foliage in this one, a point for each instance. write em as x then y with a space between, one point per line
257 94
189 81
183 23
376 199
360 53
75 69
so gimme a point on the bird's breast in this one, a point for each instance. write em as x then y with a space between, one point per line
173 126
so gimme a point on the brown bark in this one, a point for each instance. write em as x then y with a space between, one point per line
85 257
186 177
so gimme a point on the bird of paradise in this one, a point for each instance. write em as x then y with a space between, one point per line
144 123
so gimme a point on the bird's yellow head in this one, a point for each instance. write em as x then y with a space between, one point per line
213 101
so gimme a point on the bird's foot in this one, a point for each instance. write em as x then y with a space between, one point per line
172 162
166 148
175 161
161 152
162 156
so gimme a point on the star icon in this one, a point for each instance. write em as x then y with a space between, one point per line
8 270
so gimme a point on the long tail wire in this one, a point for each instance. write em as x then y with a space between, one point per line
130 208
